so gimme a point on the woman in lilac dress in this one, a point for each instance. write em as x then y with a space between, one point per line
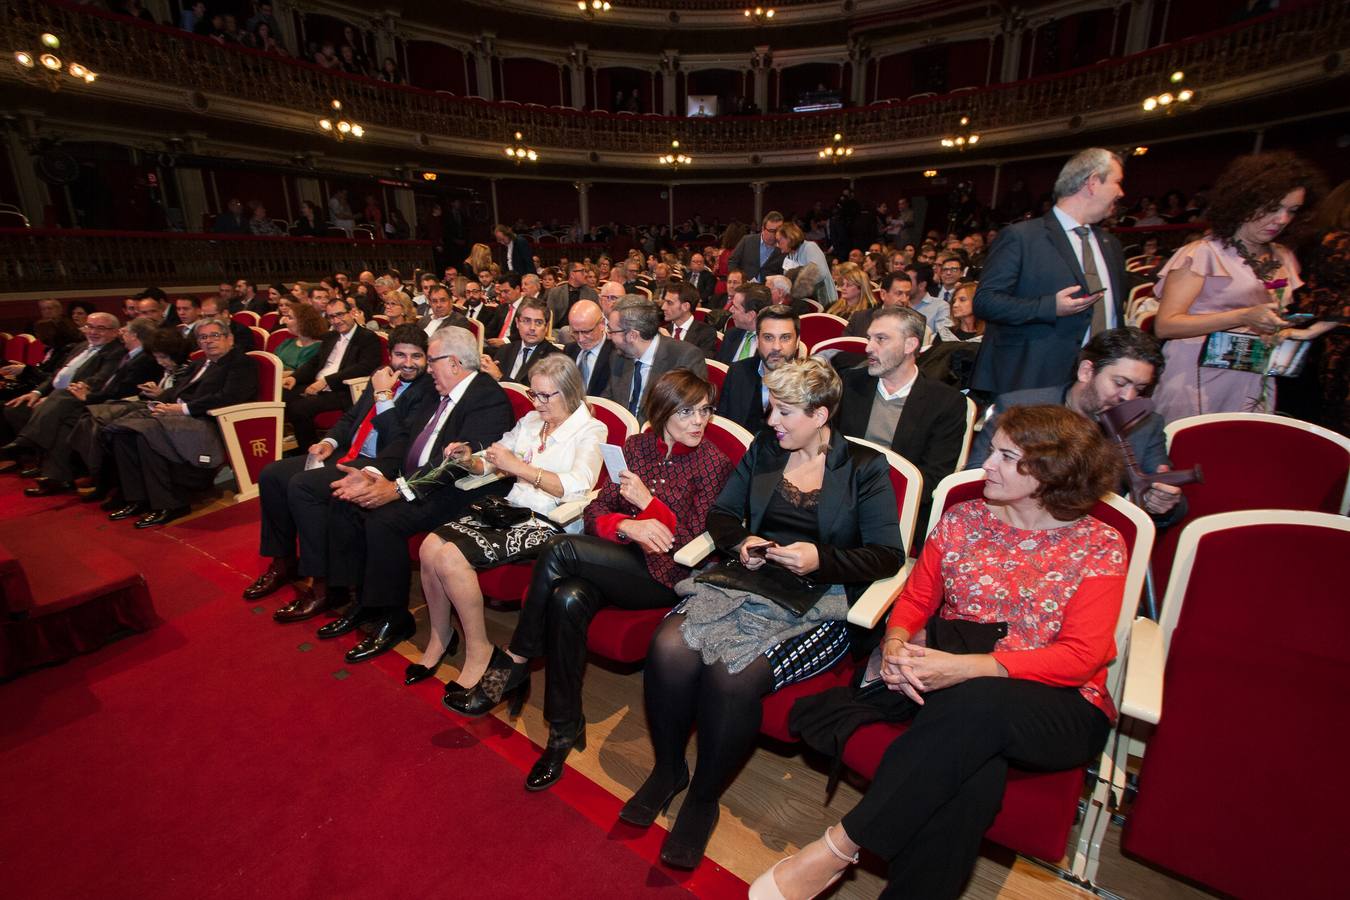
1224 282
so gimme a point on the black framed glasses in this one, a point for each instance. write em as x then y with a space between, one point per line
542 396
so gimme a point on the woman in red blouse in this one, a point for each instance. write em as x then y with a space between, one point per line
1027 555
624 559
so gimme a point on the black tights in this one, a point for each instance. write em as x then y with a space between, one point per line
680 691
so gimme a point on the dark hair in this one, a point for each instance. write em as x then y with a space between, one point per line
892 277
780 314
1255 184
278 287
57 333
177 347
685 291
80 304
408 334
510 278
757 296
538 304
1115 344
923 273
676 388
346 303
153 293
505 230
1066 452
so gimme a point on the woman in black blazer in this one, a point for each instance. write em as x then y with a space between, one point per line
805 499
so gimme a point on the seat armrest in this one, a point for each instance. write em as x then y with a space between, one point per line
569 512
694 552
876 601
1142 695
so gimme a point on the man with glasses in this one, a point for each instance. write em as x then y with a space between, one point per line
950 269
757 255
513 361
744 399
476 306
937 315
563 297
739 341
441 312
643 355
175 446
317 386
896 290
589 348
213 309
378 507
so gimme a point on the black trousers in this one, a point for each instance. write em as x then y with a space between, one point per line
295 506
575 577
940 785
369 548
145 476
301 410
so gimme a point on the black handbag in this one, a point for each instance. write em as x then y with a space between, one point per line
795 593
494 512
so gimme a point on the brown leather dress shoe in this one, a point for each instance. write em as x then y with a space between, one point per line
310 600
278 573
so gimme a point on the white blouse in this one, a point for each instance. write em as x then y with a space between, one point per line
572 452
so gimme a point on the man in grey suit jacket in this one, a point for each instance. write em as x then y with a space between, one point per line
1115 366
1041 290
643 354
757 255
563 296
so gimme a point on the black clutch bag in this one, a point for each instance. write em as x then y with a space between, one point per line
795 593
495 512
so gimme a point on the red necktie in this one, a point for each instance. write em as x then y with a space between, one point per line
363 432
506 327
678 329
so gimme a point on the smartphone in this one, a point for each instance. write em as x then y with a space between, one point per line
760 551
1299 320
1095 295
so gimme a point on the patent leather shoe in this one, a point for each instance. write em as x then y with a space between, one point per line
651 800
45 487
348 622
417 672
30 472
386 635
503 680
688 839
307 604
552 762
162 516
126 511
278 573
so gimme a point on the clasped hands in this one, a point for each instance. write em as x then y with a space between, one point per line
914 670
362 487
800 558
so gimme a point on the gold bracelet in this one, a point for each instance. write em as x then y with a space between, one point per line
539 476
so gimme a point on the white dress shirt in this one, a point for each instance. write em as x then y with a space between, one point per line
335 357
1067 222
572 452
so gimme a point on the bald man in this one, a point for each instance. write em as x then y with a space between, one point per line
587 346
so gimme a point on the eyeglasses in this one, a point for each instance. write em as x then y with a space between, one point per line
542 396
214 336
432 359
102 328
334 317
685 413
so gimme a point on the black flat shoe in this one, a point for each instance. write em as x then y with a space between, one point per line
652 800
688 840
552 763
30 472
347 623
418 672
126 511
503 680
386 635
112 503
45 487
162 516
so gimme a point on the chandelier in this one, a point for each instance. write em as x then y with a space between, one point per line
675 158
760 14
593 7
1165 100
338 126
963 138
519 152
836 150
47 68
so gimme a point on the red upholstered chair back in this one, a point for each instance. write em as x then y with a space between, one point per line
1234 785
477 328
247 317
844 344
269 376
619 421
701 313
17 347
521 404
384 348
36 351
268 321
729 437
260 337
717 374
277 338
1254 461
817 327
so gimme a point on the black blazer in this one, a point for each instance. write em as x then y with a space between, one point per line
522 256
599 369
1025 344
409 403
95 370
124 379
859 528
480 418
701 335
731 342
492 318
705 281
746 258
234 379
932 427
362 358
506 354
742 392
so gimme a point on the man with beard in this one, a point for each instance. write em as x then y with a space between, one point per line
1116 366
294 499
893 404
744 398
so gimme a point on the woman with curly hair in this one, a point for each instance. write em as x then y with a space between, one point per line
1229 280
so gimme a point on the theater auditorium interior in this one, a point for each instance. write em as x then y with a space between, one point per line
674 448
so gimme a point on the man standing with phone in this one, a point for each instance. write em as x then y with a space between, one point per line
1050 284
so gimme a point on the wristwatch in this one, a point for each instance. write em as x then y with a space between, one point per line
384 395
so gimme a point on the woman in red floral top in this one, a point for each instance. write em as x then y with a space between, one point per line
625 557
1027 555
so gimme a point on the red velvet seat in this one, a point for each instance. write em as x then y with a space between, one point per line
269 321
817 327
248 317
36 352
252 431
717 374
17 348
277 338
842 344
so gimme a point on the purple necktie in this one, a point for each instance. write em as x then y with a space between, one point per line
415 452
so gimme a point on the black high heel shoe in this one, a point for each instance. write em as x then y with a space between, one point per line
504 679
551 764
417 672
647 803
688 840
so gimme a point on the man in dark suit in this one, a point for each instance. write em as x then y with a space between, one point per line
744 399
499 328
703 280
892 403
1115 366
519 257
677 308
513 361
213 308
738 341
590 350
347 351
757 255
1050 283
476 306
377 508
564 296
294 499
54 419
441 312
179 433
643 355
735 278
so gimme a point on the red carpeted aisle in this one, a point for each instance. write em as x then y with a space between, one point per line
222 756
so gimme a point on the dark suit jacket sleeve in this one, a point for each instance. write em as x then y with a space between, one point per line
1150 449
704 338
237 383
308 370
142 369
101 367
996 300
878 523
946 434
361 359
689 357
726 520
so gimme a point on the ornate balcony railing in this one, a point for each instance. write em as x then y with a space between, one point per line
124 47
41 260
